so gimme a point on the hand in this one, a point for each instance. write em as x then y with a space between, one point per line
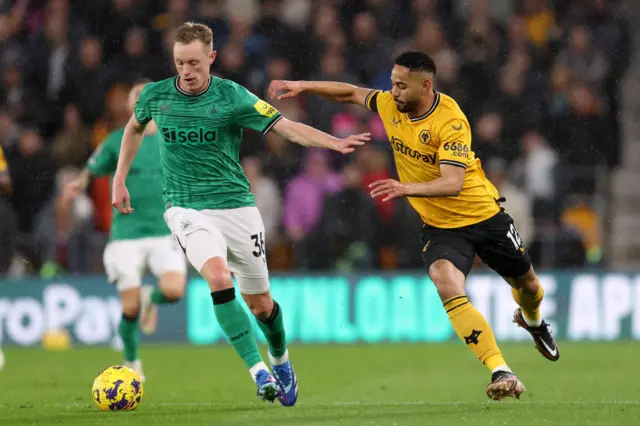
389 187
120 198
290 89
71 190
348 144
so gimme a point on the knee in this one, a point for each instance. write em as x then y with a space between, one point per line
173 294
447 278
527 283
217 275
172 286
261 305
130 307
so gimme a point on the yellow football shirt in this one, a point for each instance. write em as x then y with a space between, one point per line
421 144
3 161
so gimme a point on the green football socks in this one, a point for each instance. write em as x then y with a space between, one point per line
130 337
157 298
273 329
236 325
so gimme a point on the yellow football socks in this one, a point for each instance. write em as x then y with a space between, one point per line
474 330
530 304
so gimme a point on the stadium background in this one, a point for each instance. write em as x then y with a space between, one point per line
550 88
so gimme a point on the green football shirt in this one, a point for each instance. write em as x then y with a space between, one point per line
202 134
144 183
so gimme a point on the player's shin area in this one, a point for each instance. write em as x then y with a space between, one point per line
467 321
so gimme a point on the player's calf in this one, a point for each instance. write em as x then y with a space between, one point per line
528 294
260 305
468 323
171 287
129 325
170 290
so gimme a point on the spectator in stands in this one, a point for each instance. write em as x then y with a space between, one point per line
348 219
32 172
134 61
63 229
8 226
123 15
13 91
537 171
557 246
487 138
71 146
586 62
609 30
369 51
232 64
87 80
332 68
9 129
517 204
581 217
47 69
540 22
304 205
541 111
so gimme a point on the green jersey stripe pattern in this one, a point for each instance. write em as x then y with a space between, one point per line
201 137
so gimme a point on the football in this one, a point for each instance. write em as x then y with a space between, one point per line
117 388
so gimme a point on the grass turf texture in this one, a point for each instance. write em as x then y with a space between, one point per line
592 384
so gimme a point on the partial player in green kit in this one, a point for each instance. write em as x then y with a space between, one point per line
210 209
139 240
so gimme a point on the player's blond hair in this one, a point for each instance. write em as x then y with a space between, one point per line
190 31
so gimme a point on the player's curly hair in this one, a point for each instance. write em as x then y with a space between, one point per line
191 31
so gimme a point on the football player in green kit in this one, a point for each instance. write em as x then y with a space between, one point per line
209 207
140 240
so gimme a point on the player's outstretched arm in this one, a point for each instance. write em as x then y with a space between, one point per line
311 137
131 141
334 91
449 184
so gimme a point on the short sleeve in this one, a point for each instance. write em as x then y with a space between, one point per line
141 108
455 143
3 162
377 100
254 113
104 159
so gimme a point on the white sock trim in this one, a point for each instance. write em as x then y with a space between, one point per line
532 323
279 360
503 367
254 370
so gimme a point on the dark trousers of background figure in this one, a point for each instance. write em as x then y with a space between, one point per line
8 235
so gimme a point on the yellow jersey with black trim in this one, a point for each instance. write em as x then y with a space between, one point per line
421 144
3 161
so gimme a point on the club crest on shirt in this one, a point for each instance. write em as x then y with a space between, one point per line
425 137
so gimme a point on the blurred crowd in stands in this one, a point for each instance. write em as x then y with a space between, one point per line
539 86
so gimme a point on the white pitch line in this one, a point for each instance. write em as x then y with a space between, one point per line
359 403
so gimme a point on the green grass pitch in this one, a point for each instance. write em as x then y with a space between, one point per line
440 384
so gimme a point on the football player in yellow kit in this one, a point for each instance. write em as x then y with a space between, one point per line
444 182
